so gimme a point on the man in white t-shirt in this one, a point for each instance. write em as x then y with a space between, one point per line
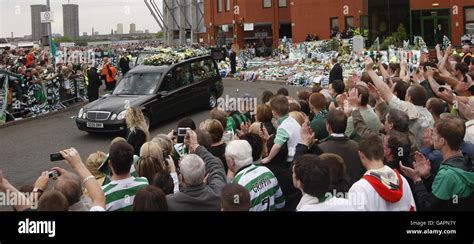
381 188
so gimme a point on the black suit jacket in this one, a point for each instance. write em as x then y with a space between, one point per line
94 78
348 150
336 73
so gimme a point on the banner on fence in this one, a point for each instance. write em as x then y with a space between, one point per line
3 97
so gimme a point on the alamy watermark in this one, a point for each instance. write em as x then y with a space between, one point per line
76 56
241 104
10 198
28 226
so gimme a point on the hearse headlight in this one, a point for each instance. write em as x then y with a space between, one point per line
121 115
81 112
113 117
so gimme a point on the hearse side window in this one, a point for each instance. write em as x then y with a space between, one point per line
203 69
209 63
183 75
199 70
169 82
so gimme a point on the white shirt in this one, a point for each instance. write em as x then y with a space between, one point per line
312 204
365 198
97 209
469 131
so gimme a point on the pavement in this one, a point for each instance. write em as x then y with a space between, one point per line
25 146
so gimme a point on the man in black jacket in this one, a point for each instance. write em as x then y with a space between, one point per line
94 84
336 72
452 187
338 143
124 64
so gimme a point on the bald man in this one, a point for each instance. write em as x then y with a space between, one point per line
69 184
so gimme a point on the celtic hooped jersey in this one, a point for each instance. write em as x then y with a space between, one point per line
265 193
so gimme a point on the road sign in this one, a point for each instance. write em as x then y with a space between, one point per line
47 17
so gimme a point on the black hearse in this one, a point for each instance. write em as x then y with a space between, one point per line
161 92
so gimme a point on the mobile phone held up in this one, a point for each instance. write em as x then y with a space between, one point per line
53 174
56 157
181 135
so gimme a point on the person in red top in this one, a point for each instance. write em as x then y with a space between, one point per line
29 59
110 73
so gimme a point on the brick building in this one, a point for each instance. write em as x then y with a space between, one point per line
252 21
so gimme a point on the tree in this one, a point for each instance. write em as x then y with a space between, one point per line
160 34
400 36
396 39
62 39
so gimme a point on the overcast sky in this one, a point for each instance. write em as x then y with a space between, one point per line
103 15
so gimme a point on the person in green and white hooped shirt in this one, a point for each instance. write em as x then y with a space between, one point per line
265 192
288 129
105 168
120 192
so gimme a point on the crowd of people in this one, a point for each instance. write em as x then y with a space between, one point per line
39 83
385 140
388 139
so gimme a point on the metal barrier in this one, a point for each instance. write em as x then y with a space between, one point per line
30 100
75 91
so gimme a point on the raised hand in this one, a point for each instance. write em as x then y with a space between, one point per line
4 184
410 173
375 92
191 140
340 99
369 64
354 98
422 165
42 181
72 157
307 135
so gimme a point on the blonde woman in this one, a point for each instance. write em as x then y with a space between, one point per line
298 116
93 162
137 129
153 161
165 143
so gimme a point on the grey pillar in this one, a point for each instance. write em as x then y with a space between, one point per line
168 18
182 22
194 21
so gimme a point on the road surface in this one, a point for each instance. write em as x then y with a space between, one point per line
25 147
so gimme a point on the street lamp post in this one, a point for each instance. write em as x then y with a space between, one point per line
50 39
